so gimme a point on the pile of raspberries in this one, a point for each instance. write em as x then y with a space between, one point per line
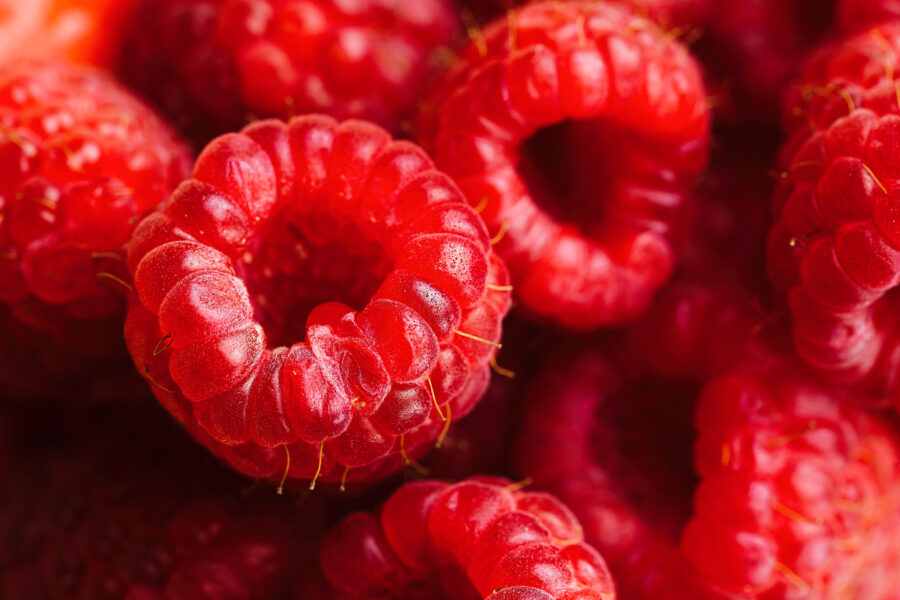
449 299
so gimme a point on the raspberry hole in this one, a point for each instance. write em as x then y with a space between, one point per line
300 261
573 168
651 430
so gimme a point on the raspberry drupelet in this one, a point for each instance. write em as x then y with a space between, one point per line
82 159
791 493
835 245
211 64
576 129
480 538
317 300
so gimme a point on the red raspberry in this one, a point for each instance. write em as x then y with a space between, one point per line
856 14
591 102
280 226
212 63
138 517
856 72
835 245
798 493
481 538
82 30
82 159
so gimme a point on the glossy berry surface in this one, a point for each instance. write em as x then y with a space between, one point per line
480 538
317 295
212 64
81 159
576 129
783 485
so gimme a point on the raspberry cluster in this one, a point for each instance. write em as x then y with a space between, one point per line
315 303
480 538
214 64
790 482
538 97
246 282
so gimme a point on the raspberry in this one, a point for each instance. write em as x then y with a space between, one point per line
81 159
840 77
834 245
135 513
82 30
211 63
480 538
797 494
281 231
592 102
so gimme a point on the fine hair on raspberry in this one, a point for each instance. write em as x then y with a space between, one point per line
316 302
576 129
483 537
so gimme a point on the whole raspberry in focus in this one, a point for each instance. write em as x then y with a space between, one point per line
480 538
316 302
790 492
576 129
214 64
82 159
136 512
87 31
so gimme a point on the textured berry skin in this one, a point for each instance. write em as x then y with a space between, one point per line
835 245
212 63
240 323
81 159
142 516
847 74
480 538
623 95
797 494
88 31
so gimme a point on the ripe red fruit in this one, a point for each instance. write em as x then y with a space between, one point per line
88 31
793 493
211 64
592 118
480 538
246 283
841 76
81 159
133 512
835 245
